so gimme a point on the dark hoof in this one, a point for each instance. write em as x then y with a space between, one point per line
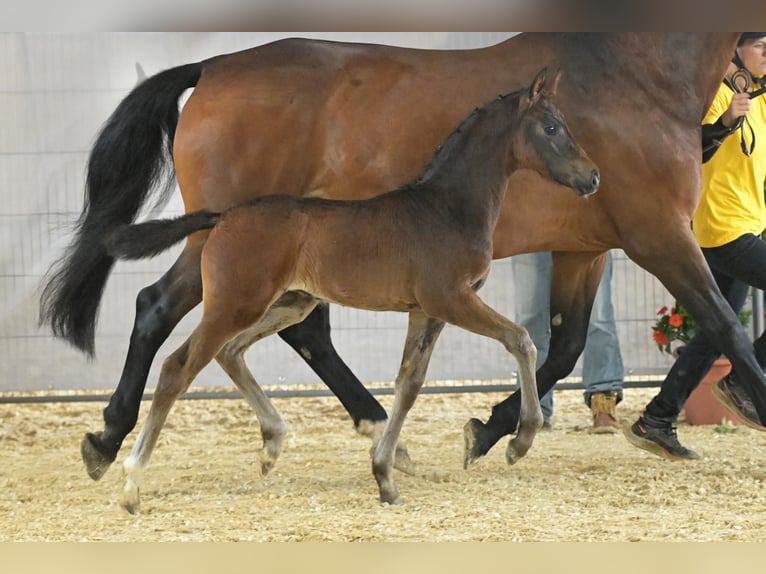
475 443
96 462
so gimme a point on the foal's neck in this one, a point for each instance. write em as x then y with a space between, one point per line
470 171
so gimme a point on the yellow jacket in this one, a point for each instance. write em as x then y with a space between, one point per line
732 202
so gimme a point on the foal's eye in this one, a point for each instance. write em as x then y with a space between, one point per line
551 130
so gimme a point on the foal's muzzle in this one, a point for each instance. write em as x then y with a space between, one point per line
590 186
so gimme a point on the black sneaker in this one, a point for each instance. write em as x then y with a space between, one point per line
731 395
661 441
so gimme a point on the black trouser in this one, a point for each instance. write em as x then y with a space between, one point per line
736 267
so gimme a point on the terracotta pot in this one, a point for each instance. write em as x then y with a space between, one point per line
702 408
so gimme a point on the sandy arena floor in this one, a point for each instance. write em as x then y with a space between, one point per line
203 481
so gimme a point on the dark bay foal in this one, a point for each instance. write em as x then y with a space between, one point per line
424 249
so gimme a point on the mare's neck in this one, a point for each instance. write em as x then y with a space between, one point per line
681 70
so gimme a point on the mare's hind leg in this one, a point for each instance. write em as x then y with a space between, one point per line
291 308
422 334
574 283
311 340
159 308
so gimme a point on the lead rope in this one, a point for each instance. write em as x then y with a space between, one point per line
741 80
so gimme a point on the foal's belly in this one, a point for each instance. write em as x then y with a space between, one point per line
367 293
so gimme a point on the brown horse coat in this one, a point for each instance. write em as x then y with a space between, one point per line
351 120
423 248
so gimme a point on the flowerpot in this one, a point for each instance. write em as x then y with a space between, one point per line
702 408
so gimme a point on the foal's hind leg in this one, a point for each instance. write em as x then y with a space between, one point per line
178 372
311 339
291 308
422 334
159 308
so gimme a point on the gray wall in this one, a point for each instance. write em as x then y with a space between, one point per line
57 89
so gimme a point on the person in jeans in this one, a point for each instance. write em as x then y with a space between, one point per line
728 223
602 361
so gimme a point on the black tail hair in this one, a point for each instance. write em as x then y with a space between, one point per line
150 238
131 159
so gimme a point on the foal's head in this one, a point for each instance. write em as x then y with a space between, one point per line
543 142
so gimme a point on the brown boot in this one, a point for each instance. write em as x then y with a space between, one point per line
602 406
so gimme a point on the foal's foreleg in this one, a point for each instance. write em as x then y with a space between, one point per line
291 308
573 287
159 308
471 313
422 333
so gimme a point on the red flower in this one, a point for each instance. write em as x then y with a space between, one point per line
660 338
675 320
663 310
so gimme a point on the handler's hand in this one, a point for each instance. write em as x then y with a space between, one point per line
740 106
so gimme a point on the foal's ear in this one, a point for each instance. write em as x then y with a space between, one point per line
553 85
537 86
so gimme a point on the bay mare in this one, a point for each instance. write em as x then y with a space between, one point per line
424 248
348 121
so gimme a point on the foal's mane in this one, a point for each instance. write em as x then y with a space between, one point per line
453 142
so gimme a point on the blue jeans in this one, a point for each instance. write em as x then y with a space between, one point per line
602 360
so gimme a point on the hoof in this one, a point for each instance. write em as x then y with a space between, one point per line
266 466
474 447
272 447
390 495
96 462
510 456
130 500
403 462
515 451
133 509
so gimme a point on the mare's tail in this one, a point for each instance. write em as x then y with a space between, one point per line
150 238
131 159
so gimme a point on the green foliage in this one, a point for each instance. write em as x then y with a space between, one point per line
725 427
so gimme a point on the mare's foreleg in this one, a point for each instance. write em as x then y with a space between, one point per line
685 273
573 287
159 308
311 340
422 333
291 308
